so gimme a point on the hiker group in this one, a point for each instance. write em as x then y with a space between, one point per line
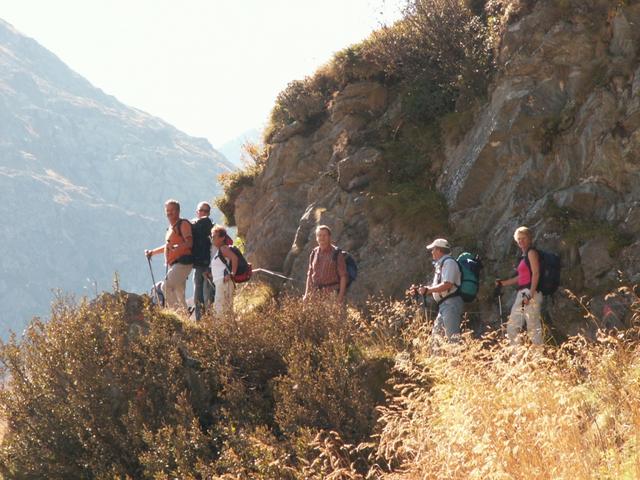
457 281
206 248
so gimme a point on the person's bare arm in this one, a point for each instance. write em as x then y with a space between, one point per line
343 288
343 275
439 288
507 282
307 288
534 262
232 257
154 251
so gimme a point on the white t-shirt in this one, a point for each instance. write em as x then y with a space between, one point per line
447 270
217 265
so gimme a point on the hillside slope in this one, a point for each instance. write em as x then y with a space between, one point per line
553 143
83 181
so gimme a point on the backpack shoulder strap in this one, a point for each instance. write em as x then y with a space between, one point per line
222 258
442 267
178 227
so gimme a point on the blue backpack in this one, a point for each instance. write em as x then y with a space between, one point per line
352 266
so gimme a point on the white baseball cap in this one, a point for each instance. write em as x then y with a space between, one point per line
438 242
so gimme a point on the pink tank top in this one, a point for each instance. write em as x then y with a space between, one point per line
524 274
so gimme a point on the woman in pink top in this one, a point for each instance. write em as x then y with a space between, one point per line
527 307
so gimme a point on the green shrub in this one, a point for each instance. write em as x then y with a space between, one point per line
411 208
576 229
439 51
120 389
355 63
424 100
84 388
233 183
441 42
303 101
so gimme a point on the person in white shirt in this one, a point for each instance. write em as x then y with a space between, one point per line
224 264
444 288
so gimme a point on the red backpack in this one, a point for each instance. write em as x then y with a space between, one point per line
244 271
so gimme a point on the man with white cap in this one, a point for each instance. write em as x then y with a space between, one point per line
444 289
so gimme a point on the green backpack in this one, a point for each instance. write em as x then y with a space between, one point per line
470 266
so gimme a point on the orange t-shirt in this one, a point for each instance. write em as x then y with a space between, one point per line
177 234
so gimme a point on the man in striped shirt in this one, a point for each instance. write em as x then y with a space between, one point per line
327 273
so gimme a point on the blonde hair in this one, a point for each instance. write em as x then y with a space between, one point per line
323 227
523 230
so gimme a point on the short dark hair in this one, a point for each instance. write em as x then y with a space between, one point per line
219 231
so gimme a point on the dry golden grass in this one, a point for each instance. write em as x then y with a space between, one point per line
569 413
484 410
249 297
294 387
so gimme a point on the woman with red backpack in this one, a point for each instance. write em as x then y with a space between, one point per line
224 266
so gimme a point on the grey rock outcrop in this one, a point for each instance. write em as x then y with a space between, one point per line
83 179
555 146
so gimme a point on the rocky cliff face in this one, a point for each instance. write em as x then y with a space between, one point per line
83 179
555 146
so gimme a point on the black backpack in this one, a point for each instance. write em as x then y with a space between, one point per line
244 271
550 266
201 250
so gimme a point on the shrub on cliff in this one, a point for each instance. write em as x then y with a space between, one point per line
233 182
119 389
439 50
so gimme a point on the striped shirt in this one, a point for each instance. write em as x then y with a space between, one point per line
324 271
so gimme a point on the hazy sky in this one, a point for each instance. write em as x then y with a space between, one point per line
212 68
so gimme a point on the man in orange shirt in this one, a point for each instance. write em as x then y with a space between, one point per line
177 253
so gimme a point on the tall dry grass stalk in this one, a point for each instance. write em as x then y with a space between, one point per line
478 412
3 428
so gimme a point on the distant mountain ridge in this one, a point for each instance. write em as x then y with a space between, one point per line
232 149
83 180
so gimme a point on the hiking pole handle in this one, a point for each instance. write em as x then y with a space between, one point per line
155 292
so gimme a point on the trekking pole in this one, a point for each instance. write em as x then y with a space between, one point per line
425 308
273 274
413 294
497 293
155 292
